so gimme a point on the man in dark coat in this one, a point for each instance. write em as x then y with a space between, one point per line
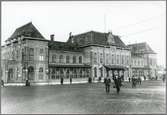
61 80
117 82
129 79
107 82
139 80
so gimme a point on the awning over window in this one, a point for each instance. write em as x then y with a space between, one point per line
69 65
115 67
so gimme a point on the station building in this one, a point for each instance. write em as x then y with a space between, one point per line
144 60
28 55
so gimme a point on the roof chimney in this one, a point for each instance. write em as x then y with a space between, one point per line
52 37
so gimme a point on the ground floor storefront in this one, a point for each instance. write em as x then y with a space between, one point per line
144 73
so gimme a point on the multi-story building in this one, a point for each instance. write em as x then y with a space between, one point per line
28 55
25 56
144 62
105 53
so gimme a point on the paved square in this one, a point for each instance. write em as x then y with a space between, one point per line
85 98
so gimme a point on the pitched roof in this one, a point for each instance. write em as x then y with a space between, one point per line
141 48
63 46
96 38
27 30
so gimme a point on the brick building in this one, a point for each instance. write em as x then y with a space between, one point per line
144 62
28 55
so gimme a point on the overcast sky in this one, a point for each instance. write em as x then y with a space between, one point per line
134 21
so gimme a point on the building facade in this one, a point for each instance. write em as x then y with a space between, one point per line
25 56
28 55
144 62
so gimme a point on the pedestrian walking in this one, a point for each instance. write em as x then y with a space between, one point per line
27 82
134 81
107 82
139 80
117 83
90 80
129 79
61 80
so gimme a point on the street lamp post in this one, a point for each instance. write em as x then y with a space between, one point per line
6 75
47 74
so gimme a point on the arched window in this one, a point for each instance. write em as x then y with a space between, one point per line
61 59
40 69
117 59
53 58
31 73
112 58
101 72
74 59
122 59
41 73
80 59
67 59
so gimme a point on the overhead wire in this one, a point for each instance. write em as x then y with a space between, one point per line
139 22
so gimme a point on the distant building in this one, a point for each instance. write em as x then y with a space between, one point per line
28 55
143 60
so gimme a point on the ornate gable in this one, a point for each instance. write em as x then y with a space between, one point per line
110 38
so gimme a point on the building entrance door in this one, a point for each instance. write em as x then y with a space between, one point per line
31 73
10 76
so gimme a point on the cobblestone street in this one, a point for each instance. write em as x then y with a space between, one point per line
84 99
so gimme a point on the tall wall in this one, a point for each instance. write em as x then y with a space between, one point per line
99 56
15 68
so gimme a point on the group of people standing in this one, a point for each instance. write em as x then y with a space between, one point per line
117 83
135 80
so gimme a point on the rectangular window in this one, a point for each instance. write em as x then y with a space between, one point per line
95 58
80 59
41 51
117 59
112 58
31 54
17 54
74 59
127 60
67 59
23 54
41 58
107 58
101 58
53 58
